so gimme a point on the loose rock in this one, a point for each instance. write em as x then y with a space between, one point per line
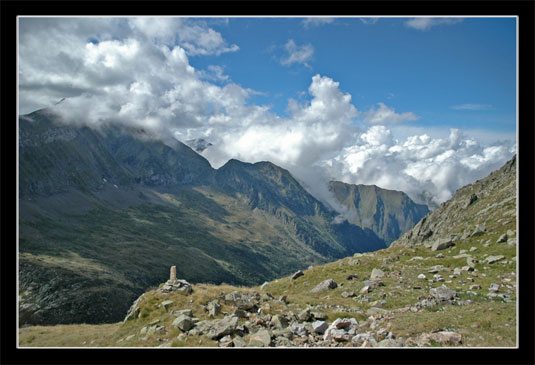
325 285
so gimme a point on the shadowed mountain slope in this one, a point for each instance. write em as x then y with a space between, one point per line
103 214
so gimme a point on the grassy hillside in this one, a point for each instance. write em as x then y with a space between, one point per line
483 321
393 297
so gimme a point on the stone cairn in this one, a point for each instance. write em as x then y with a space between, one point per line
174 284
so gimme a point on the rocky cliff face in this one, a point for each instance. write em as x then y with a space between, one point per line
388 213
481 207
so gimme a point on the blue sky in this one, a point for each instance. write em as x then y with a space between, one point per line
421 105
461 75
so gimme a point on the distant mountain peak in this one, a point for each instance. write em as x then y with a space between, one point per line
389 213
198 144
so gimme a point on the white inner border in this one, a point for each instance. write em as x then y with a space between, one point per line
270 16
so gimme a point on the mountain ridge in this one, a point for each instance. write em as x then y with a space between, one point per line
388 213
106 198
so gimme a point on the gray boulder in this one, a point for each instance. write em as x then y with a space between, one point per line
299 329
377 274
183 323
304 315
441 244
214 308
389 343
493 259
443 293
479 230
325 285
320 326
261 338
279 321
239 342
502 238
223 327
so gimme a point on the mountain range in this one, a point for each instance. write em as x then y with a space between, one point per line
450 281
104 213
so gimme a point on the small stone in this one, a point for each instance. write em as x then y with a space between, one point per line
304 315
239 342
341 323
186 312
442 293
376 274
389 343
279 321
348 294
324 285
493 259
320 326
422 276
352 277
446 337
502 238
441 244
183 322
479 230
299 329
214 308
494 287
226 341
336 334
261 338
298 274
440 256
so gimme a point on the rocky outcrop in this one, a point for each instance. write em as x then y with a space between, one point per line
468 212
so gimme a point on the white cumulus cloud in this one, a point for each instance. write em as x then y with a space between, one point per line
297 53
125 71
386 115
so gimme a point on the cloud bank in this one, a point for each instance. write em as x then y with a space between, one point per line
136 72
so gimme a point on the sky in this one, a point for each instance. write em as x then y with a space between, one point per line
421 105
